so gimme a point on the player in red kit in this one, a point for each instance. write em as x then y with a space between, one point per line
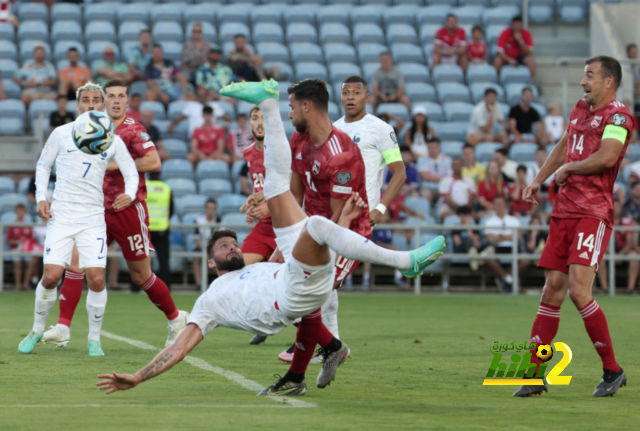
129 227
585 163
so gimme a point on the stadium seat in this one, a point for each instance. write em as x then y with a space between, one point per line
268 32
510 3
99 12
66 12
7 185
273 51
300 14
176 148
11 126
139 87
233 13
230 204
7 32
334 33
266 13
370 52
157 108
515 75
485 150
401 33
244 107
419 205
100 31
306 52
208 169
334 112
447 73
42 108
572 11
215 187
283 85
397 109
633 152
401 14
306 70
172 50
199 13
435 14
453 92
237 222
133 12
130 31
399 241
14 109
167 12
25 50
176 168
61 49
339 52
338 72
10 200
499 16
368 69
407 53
366 14
468 15
167 31
457 111
189 203
414 72
477 91
541 11
492 34
301 32
8 68
514 92
523 152
434 110
23 185
367 32
452 148
32 11
181 187
209 32
454 131
482 3
11 89
481 73
33 30
428 33
8 51
284 108
228 30
334 14
96 50
420 92
542 111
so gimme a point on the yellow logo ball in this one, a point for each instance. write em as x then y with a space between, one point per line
544 352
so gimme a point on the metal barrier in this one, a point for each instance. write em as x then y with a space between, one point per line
515 255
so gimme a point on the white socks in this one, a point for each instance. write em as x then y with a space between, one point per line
277 152
45 300
353 246
330 314
96 304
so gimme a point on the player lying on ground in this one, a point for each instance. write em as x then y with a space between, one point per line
267 297
77 214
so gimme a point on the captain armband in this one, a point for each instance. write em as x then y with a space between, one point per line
615 132
392 155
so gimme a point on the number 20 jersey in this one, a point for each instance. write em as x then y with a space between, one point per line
257 172
591 195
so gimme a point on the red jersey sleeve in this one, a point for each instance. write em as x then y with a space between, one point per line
502 40
438 39
346 173
528 39
621 116
482 190
139 141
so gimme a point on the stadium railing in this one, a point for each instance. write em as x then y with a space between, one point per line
611 257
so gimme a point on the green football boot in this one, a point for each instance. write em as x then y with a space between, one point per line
424 256
95 348
29 343
252 92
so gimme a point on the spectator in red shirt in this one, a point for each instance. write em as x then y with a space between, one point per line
515 46
207 141
16 237
451 44
477 49
492 186
519 207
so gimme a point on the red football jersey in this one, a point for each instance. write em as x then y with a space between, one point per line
508 45
334 169
138 143
208 138
477 50
18 233
443 37
591 195
255 163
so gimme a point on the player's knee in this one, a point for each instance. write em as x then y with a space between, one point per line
50 280
139 277
95 280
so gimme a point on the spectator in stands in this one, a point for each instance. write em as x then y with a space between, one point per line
207 141
432 168
166 82
632 54
477 50
519 207
244 62
411 185
501 239
140 56
455 190
6 15
420 133
73 76
492 186
192 111
398 123
240 138
534 241
203 233
37 78
108 68
522 118
133 111
194 52
507 167
15 237
450 44
487 123
466 241
515 46
387 84
146 119
61 116
214 75
472 168
554 123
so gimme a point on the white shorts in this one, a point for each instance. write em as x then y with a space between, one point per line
89 239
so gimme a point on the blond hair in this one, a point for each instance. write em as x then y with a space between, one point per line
90 86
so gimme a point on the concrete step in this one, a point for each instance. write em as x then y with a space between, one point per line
560 41
19 154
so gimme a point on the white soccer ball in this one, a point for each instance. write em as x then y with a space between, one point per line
93 132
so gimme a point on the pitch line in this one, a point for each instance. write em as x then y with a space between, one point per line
204 365
146 406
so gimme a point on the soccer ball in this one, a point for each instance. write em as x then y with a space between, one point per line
544 352
93 132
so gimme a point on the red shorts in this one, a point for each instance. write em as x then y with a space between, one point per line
574 240
130 229
261 240
345 267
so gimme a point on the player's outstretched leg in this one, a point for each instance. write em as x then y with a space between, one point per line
70 294
45 300
257 339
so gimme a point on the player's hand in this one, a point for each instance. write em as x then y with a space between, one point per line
529 193
562 175
43 209
374 217
249 218
261 211
116 382
277 257
353 207
122 201
254 200
112 166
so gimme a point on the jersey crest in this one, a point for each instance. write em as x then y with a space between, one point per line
316 167
356 138
343 178
596 121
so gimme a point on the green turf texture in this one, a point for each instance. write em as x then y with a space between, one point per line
417 363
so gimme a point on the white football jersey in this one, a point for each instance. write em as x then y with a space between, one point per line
78 196
243 299
373 136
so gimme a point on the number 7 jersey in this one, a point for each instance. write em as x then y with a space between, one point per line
592 195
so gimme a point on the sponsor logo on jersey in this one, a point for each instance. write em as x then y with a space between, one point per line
596 121
343 178
584 255
356 138
129 121
71 151
316 167
619 119
145 136
574 121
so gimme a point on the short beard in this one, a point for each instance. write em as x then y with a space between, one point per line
232 264
301 127
256 137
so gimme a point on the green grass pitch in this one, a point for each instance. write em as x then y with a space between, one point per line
417 363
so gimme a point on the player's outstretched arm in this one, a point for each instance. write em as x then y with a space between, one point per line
186 342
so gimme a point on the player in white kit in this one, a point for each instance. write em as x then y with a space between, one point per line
264 298
77 216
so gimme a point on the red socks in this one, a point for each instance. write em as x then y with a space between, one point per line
596 324
159 294
308 336
545 327
70 293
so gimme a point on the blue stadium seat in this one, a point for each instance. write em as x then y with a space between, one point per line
370 52
100 31
176 168
301 32
434 110
189 203
306 70
131 31
167 31
138 87
176 148
44 108
11 126
286 71
428 33
367 32
305 51
99 12
402 14
334 111
12 109
283 85
8 68
397 109
172 50
510 3
420 92
25 49
368 69
7 32
23 185
407 53
233 13
457 111
452 148
300 14
215 187
167 12
71 107
447 73
284 109
32 11
435 14
428 53
572 11
96 48
339 52
414 72
61 49
228 204
499 16
492 34
366 14
401 33
11 89
419 205
454 131
453 92
541 11
10 200
505 109
239 221
209 32
481 73
268 32
485 150
514 92
212 169
334 32
33 30
334 14
513 75
181 187
399 241
235 170
157 108
468 15
133 12
542 111
8 51
477 91
66 12
633 152
228 30
523 152
266 13
7 185
338 72
273 51
199 13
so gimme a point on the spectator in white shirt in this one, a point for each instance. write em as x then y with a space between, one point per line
485 122
554 123
501 240
455 190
